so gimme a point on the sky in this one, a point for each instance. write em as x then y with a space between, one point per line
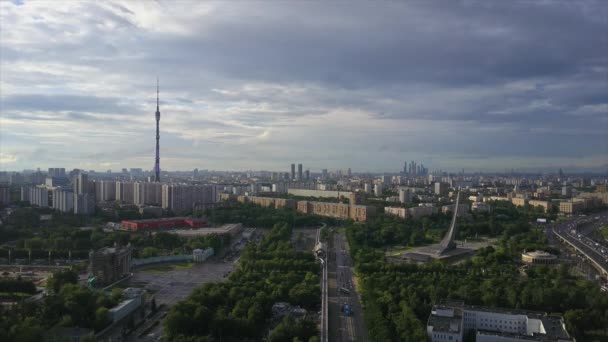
479 85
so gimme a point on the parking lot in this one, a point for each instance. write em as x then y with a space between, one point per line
176 284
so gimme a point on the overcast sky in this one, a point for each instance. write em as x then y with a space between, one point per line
488 85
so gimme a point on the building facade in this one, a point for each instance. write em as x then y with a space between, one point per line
452 321
110 264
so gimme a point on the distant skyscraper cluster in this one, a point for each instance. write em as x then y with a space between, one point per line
300 176
414 169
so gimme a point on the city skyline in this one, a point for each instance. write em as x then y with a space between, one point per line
474 86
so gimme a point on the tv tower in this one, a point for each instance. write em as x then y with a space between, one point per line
157 161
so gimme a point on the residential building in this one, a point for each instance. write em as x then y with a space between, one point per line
107 190
125 192
536 203
463 209
480 207
63 200
441 188
518 201
406 196
84 204
378 189
396 211
5 195
319 193
81 184
163 223
421 211
300 177
452 321
570 207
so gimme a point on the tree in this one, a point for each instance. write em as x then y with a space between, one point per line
101 319
149 252
55 282
116 294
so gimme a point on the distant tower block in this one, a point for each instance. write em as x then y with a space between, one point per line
448 244
157 160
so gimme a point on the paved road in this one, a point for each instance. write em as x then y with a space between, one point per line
343 328
573 231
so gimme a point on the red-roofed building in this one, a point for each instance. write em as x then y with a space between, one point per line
163 223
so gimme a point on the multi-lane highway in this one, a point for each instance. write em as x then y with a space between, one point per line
346 325
573 233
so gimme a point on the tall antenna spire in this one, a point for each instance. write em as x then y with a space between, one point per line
157 160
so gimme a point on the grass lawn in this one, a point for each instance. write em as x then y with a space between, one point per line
604 231
397 250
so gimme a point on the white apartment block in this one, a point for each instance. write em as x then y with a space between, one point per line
63 201
451 321
124 192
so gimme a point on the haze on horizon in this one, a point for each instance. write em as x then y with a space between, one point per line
260 85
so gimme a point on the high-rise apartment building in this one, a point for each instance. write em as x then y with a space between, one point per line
84 203
293 171
147 193
63 200
107 190
299 172
124 192
181 198
57 172
5 195
81 184
441 188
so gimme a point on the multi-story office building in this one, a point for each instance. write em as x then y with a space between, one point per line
110 264
293 171
63 200
453 321
124 192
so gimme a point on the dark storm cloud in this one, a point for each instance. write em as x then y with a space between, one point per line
521 79
57 103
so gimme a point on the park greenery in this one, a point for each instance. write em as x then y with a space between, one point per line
251 215
66 304
63 238
398 297
240 309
